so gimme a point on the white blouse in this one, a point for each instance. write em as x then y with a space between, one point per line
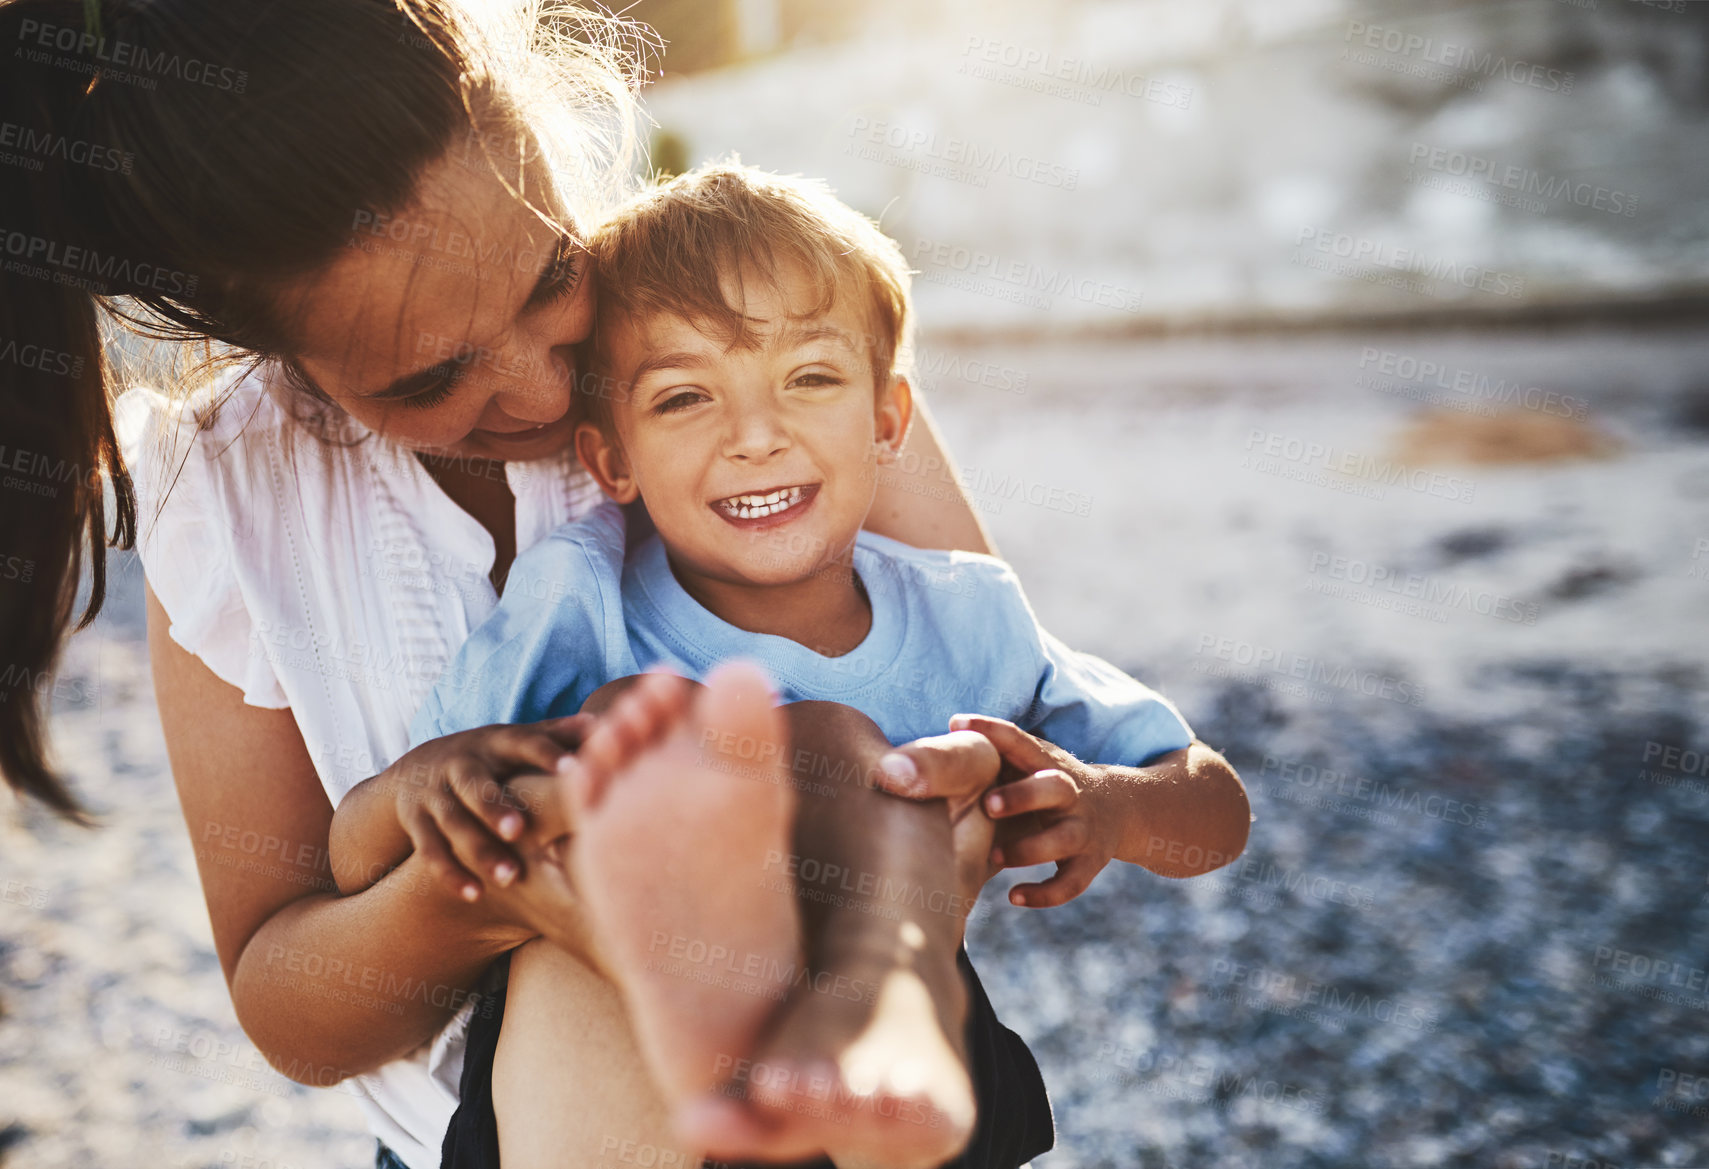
316 566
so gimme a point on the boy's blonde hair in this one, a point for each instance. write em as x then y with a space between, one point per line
672 249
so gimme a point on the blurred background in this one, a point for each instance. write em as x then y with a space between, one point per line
1340 369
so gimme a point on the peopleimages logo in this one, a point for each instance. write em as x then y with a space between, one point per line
1522 180
1461 58
1074 78
1258 660
40 144
1321 249
1314 786
972 270
1477 392
959 159
39 358
1269 451
130 61
1427 590
61 263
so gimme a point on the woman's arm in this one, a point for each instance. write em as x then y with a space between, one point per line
920 498
326 988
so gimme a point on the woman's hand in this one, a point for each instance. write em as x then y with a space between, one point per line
481 806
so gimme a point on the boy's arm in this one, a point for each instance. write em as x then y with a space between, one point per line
1166 801
1180 815
370 831
366 840
453 800
447 796
1156 797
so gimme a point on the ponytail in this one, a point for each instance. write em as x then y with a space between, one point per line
58 454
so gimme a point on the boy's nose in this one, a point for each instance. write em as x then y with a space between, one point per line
758 451
756 435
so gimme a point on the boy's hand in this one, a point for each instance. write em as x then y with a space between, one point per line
1046 809
957 767
466 798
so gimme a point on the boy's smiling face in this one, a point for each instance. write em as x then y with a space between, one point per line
758 462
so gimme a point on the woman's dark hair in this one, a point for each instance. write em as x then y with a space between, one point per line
173 164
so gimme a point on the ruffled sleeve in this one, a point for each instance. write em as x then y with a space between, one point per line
186 537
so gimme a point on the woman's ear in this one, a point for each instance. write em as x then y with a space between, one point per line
603 457
895 413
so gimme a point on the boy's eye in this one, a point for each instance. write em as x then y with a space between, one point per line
817 378
678 401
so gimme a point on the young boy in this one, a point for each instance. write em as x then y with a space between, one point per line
747 390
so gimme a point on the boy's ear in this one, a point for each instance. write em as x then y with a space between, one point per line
895 414
604 460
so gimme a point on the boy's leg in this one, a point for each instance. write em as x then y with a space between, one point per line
569 1086
869 1051
674 827
837 1057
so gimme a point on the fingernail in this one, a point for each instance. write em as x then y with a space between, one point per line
958 722
900 770
504 872
471 892
996 856
995 803
567 765
510 827
1017 897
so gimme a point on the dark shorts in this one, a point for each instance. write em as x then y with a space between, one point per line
1014 1125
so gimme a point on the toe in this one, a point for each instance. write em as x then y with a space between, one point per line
737 715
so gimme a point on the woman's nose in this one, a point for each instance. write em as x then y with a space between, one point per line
536 387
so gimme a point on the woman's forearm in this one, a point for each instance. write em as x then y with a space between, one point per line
331 987
920 498
1181 816
325 987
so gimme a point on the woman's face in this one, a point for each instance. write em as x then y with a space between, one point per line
448 326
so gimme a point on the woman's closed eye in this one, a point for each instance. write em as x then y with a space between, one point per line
447 375
561 275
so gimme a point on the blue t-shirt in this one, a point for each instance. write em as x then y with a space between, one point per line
951 633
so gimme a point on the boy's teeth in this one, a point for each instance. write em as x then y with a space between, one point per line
747 507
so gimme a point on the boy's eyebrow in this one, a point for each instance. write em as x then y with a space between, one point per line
801 334
682 359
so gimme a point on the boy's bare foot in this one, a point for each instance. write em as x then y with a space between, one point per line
681 813
897 1095
867 1061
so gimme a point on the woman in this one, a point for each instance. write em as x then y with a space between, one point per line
371 202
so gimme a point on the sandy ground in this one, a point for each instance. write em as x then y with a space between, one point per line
1468 701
